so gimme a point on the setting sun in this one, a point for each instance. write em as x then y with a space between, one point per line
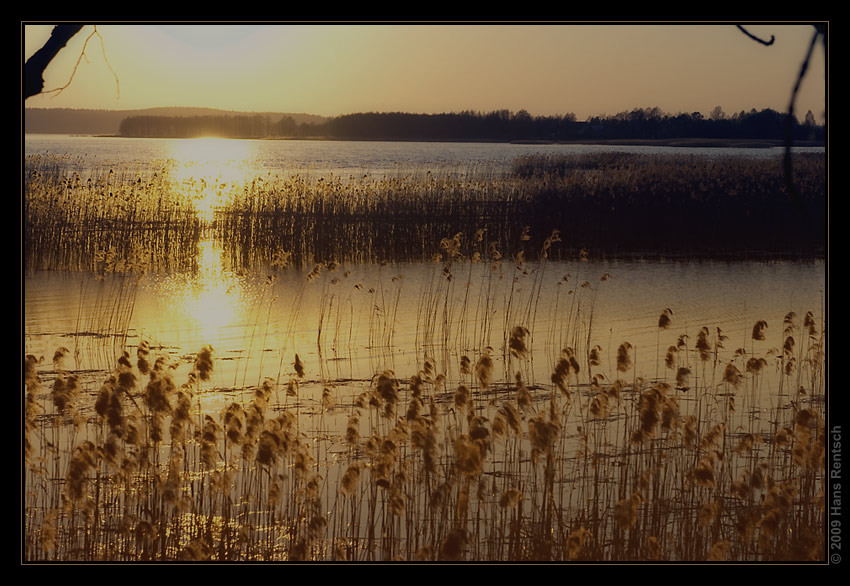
206 170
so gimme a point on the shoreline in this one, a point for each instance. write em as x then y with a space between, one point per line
659 142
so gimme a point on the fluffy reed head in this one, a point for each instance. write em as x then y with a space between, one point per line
543 434
31 379
626 511
328 401
703 345
233 422
670 357
462 398
595 356
809 324
719 551
756 365
142 354
387 390
451 550
731 375
465 365
351 479
352 430
523 395
517 343
510 498
650 407
204 363
66 388
576 542
624 359
195 551
158 392
758 330
703 473
59 358
451 246
469 455
209 442
599 406
664 319
682 377
484 369
83 460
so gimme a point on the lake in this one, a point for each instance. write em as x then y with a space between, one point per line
324 338
288 156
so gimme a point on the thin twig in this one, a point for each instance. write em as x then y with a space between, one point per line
755 38
789 122
59 90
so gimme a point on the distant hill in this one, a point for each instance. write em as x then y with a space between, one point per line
81 121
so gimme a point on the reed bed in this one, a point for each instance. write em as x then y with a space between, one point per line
720 456
129 220
656 205
683 204
670 205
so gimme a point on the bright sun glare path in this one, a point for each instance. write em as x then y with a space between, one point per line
211 301
206 170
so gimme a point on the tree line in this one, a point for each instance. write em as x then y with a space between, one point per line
248 126
499 125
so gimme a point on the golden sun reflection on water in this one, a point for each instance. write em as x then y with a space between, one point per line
207 170
206 307
214 301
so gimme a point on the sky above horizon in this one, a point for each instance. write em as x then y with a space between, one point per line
335 69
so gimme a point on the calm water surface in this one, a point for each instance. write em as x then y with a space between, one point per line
283 156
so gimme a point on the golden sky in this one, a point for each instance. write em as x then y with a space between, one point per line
333 69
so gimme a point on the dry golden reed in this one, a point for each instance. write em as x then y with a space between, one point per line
620 470
576 543
517 342
718 551
665 319
758 330
510 498
703 345
484 369
626 511
65 391
523 395
83 461
624 359
452 548
204 363
298 366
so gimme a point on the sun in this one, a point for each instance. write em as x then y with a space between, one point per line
206 171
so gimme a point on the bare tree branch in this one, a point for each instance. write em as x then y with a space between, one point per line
755 38
789 118
34 77
38 62
820 29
